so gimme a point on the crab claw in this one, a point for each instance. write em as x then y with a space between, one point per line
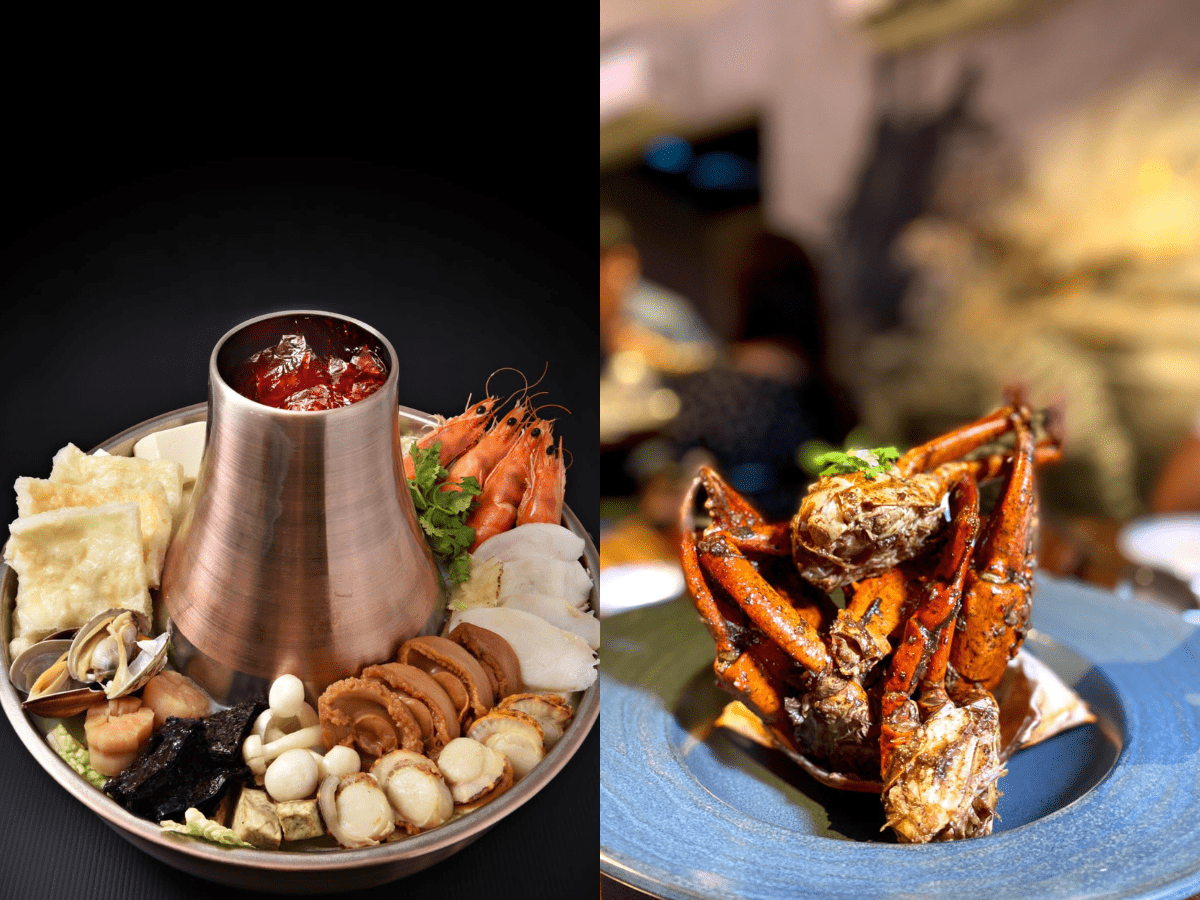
941 782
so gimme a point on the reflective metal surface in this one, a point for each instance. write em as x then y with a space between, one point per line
290 872
301 551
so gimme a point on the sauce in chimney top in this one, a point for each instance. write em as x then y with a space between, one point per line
291 375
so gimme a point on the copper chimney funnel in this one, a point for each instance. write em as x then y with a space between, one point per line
300 551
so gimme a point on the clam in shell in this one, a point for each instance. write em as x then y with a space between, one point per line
113 649
41 673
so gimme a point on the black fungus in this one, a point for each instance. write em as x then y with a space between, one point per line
188 763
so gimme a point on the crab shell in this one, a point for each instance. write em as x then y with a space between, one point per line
851 527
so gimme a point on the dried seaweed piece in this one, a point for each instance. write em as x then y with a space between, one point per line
225 731
143 777
188 763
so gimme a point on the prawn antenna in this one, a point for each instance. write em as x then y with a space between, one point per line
538 410
487 385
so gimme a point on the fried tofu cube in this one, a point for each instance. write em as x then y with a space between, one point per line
255 820
300 819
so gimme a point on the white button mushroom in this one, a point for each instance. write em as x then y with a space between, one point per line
286 696
293 775
286 710
338 760
259 754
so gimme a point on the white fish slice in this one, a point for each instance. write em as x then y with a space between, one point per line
544 575
184 444
551 659
532 539
558 613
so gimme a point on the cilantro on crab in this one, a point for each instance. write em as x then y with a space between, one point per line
870 462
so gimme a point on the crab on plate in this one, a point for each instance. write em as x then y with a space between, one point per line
889 689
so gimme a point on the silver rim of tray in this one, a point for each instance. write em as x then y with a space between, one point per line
447 838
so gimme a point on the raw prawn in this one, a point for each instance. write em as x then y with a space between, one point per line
486 454
457 435
507 484
543 500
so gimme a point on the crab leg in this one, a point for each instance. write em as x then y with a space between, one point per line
996 598
922 633
997 464
955 444
952 445
861 636
740 520
761 603
719 554
752 673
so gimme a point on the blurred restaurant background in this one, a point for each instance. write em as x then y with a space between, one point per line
855 222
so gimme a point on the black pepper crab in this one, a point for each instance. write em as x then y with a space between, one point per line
892 689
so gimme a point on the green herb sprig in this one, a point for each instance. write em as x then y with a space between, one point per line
870 462
442 514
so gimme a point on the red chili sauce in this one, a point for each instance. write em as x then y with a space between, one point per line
291 375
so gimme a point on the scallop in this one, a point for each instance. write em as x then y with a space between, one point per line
474 772
355 809
415 788
552 712
515 734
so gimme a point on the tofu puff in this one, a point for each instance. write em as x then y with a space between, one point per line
73 564
92 537
39 495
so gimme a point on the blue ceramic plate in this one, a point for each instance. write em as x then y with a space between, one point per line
1107 810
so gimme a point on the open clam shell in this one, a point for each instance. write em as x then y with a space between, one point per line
40 672
114 649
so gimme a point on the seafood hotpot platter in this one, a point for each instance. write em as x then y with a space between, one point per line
288 871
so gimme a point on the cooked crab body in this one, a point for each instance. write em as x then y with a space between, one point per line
850 527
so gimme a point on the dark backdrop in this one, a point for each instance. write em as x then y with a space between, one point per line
448 219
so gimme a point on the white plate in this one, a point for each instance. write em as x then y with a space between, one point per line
634 585
1168 543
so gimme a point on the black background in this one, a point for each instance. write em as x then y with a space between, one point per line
439 199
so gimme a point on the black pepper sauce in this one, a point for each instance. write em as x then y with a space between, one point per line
291 375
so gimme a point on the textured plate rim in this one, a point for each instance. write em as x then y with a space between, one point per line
1092 639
